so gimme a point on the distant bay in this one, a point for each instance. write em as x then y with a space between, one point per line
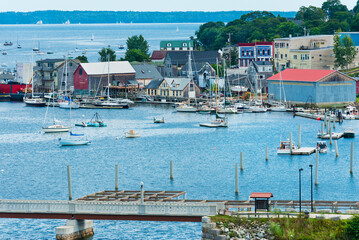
90 17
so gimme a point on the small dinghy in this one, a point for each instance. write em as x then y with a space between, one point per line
74 140
159 120
132 134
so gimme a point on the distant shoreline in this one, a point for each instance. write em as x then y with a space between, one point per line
113 17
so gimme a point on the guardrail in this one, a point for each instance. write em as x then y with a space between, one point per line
110 208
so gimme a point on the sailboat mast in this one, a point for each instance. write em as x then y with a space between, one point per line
32 75
216 84
108 77
66 75
189 72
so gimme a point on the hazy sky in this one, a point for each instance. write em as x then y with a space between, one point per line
162 5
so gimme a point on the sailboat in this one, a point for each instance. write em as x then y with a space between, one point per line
281 106
218 121
66 102
92 37
109 102
191 94
258 106
34 101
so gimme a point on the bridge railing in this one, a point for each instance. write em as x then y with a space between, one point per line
110 208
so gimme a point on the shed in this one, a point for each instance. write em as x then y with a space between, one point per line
300 86
261 200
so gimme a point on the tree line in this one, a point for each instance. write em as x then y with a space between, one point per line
332 17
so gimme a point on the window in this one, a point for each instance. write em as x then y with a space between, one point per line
169 44
268 52
294 56
70 64
259 52
263 52
285 56
242 53
184 44
80 71
281 56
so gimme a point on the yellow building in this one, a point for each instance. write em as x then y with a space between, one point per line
306 52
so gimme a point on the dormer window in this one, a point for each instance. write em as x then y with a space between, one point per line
169 44
184 44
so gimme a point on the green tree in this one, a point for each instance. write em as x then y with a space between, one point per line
82 59
309 14
137 42
355 23
330 7
356 8
137 49
344 51
105 53
136 55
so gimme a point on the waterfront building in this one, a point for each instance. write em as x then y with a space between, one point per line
305 52
46 74
355 37
308 86
23 72
92 78
177 45
201 72
65 72
172 87
158 56
256 51
176 60
145 73
258 73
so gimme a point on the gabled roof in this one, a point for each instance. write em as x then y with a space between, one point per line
196 67
302 75
261 195
50 60
100 68
177 84
158 55
146 71
154 84
76 61
181 57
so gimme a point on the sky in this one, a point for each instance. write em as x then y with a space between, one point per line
162 5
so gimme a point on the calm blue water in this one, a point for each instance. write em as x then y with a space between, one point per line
33 166
63 39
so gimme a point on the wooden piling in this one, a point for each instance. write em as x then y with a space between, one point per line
316 167
322 129
334 122
266 152
330 135
290 143
351 156
299 136
241 154
69 181
336 148
236 179
116 177
171 170
142 193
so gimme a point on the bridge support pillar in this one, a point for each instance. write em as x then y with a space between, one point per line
75 229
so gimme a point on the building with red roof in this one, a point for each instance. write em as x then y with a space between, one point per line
322 87
158 56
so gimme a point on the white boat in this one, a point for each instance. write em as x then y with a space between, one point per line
159 120
40 53
4 52
67 22
257 109
186 108
227 110
132 134
241 106
284 148
74 140
216 123
322 147
56 128
279 108
92 37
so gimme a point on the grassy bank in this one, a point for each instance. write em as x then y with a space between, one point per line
300 228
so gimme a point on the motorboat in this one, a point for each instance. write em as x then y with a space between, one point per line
35 102
285 148
322 147
132 134
56 128
186 108
159 120
349 133
4 52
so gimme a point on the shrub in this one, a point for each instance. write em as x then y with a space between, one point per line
352 228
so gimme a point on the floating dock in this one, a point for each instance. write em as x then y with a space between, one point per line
303 151
100 107
334 136
314 116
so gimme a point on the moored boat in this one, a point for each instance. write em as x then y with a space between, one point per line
349 133
159 120
322 147
284 148
132 134
56 128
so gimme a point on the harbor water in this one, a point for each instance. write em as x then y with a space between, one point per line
33 165
62 39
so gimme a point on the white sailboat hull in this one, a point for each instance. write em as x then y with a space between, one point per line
186 109
56 129
278 109
73 142
67 105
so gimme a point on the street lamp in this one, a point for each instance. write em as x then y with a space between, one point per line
300 190
311 187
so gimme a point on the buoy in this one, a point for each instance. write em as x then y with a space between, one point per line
2 170
318 118
214 148
116 138
8 155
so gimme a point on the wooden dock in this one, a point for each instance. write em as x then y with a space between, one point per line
303 151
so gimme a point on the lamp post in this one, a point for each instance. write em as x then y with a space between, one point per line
311 187
300 190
